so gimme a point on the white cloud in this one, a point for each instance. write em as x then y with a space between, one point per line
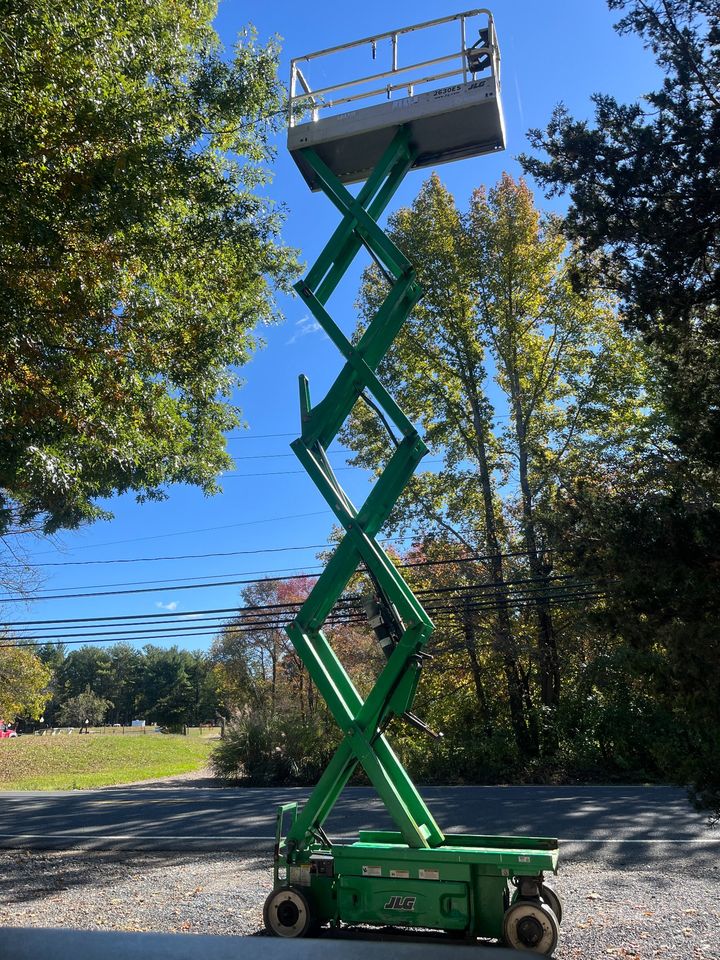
304 326
167 606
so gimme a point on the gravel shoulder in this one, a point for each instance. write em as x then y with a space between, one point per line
634 914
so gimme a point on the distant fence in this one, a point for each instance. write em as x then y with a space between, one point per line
121 730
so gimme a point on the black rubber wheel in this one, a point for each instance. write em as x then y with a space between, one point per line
549 896
287 913
531 926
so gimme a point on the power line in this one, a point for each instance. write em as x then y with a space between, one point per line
259 436
517 587
262 574
289 572
299 473
282 456
182 556
182 533
119 593
465 592
125 616
278 626
347 611
89 592
239 553
203 556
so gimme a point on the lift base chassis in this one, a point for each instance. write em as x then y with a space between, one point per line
466 885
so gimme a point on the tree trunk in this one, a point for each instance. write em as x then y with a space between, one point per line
471 647
524 726
546 638
301 684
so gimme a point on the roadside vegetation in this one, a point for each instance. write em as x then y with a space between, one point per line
564 370
75 762
565 373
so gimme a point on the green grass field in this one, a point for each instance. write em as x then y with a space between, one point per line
73 762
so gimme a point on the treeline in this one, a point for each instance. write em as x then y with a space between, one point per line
565 373
120 683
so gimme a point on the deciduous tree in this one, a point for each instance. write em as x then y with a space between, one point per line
86 709
519 381
644 210
24 683
138 252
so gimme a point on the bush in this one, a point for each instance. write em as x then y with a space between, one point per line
264 751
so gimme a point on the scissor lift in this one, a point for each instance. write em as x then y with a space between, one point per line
416 876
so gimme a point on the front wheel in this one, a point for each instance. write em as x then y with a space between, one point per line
287 913
531 926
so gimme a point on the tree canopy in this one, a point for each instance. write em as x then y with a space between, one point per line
644 205
644 212
138 255
86 709
520 383
166 685
24 681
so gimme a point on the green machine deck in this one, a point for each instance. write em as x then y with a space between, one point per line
416 877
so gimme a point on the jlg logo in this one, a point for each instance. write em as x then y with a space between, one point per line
400 903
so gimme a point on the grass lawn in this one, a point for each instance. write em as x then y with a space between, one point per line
71 762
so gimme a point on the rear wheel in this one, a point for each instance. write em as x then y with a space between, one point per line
287 913
531 926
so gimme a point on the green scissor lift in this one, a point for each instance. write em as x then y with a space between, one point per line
416 876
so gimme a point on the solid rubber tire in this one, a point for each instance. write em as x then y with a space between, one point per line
297 899
545 918
552 899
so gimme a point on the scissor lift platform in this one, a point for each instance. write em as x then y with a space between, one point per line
474 886
446 122
451 123
466 885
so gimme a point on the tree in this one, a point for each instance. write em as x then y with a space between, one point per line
137 256
645 205
258 664
24 683
52 656
167 689
85 666
83 710
170 685
645 212
124 682
498 304
279 730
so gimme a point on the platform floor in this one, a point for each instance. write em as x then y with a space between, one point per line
450 123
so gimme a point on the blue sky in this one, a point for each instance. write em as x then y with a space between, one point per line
562 50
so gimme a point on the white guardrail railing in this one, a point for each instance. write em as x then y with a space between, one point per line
478 56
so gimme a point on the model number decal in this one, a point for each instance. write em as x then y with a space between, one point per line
447 91
400 903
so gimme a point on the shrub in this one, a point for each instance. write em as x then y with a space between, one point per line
264 750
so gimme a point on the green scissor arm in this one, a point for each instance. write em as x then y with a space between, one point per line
362 722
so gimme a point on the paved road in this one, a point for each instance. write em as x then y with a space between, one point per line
626 824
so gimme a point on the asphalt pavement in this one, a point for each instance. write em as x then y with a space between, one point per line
624 824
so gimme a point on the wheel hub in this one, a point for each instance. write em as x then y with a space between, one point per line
287 913
529 931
